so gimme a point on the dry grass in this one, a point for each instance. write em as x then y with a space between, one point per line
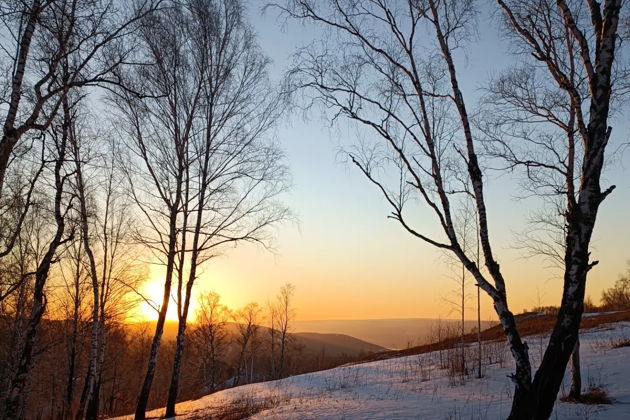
594 396
241 408
623 343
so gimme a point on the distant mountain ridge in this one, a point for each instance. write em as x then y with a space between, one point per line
312 343
385 334
335 344
390 333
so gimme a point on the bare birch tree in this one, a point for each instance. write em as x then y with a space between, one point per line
72 273
247 319
61 204
84 223
235 176
17 270
157 129
388 76
202 134
285 315
104 231
210 335
545 129
52 47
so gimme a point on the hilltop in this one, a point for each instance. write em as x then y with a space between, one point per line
308 343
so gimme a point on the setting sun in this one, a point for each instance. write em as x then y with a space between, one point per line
152 293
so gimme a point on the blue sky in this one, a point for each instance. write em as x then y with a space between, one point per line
348 261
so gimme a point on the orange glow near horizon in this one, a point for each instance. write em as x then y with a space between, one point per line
394 277
341 292
336 283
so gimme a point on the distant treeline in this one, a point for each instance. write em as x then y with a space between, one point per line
223 349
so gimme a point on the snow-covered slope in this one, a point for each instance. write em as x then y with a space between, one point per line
415 387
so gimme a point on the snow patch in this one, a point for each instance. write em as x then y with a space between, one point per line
595 314
416 387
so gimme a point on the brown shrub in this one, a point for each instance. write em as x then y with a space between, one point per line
622 343
594 396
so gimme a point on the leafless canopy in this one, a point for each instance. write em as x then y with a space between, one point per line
204 123
202 167
394 75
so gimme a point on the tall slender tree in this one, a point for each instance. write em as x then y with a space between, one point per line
571 49
286 314
103 233
247 319
235 175
211 176
157 129
61 204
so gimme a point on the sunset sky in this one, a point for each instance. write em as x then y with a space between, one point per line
348 261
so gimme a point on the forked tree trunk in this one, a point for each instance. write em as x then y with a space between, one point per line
581 213
173 389
533 398
93 403
580 223
538 404
143 396
192 275
181 329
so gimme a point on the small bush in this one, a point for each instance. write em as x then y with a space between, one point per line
618 297
594 396
416 369
425 369
344 377
496 352
546 310
457 369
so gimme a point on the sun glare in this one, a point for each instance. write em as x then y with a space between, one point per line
153 292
